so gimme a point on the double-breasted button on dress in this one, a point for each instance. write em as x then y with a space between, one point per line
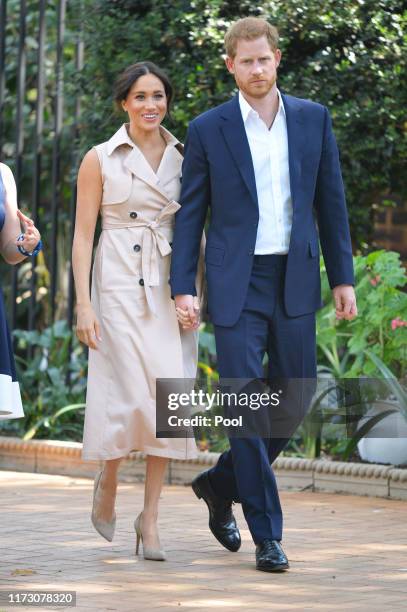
131 296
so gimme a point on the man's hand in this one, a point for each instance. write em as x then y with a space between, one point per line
345 302
187 309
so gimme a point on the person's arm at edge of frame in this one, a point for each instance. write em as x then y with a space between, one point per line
12 227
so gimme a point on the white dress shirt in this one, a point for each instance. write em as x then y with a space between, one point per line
269 150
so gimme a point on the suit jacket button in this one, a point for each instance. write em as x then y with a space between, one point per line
137 248
133 214
141 282
251 252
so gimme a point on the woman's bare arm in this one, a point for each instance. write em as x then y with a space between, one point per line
88 204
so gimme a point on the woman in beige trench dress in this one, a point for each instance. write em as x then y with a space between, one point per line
129 322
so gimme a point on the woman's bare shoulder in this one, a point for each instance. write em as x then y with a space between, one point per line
8 179
6 172
90 162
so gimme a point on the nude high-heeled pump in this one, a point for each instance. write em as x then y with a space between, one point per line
105 528
153 554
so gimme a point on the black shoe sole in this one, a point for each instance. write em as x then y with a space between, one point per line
277 568
196 489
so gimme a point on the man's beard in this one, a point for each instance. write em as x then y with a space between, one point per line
258 94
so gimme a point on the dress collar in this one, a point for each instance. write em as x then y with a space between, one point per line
121 137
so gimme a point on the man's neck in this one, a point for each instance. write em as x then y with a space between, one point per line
267 106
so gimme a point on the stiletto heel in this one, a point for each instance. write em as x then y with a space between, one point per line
105 528
153 554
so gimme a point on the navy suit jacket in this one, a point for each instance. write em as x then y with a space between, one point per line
218 177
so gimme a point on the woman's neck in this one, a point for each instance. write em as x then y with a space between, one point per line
149 138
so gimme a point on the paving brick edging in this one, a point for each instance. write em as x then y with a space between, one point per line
58 457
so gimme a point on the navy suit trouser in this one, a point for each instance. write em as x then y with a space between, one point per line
244 472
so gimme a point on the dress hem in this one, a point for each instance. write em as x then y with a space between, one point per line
146 450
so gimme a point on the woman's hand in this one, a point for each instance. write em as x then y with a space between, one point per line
31 234
184 318
87 326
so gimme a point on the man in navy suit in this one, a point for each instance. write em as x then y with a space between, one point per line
266 167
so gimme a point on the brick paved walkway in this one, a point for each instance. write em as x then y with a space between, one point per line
346 553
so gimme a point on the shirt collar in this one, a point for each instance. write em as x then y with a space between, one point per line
121 137
247 110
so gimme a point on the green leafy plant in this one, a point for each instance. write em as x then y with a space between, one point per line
375 342
381 324
52 384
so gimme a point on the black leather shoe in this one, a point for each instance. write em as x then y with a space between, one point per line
222 523
270 557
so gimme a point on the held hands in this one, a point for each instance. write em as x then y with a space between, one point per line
345 302
31 234
87 326
187 309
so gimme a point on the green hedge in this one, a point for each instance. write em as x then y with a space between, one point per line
350 56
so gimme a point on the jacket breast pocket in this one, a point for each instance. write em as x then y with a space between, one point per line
214 256
116 190
313 247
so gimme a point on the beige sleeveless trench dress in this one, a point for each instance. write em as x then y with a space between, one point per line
131 296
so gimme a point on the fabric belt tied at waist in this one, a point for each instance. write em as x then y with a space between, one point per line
153 240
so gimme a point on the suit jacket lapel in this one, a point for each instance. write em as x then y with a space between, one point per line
296 142
233 130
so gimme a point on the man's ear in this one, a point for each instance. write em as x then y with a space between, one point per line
277 55
230 64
